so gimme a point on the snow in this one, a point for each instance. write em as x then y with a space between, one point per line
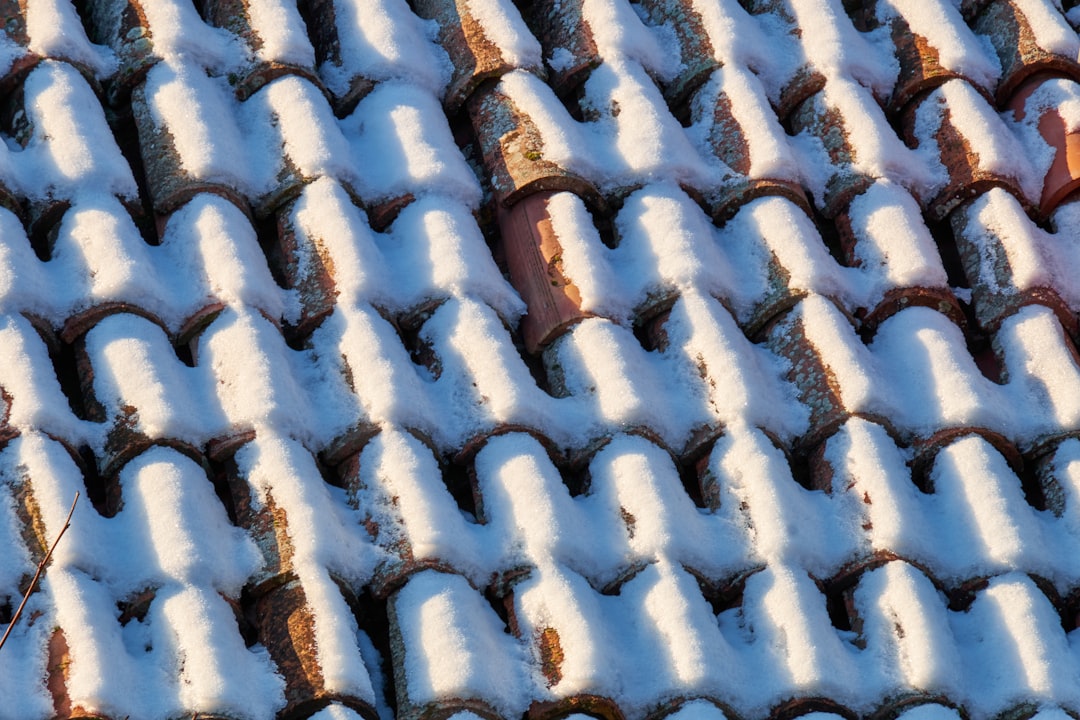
1036 661
334 711
245 146
737 37
280 31
740 462
583 257
454 645
322 542
178 32
249 362
435 249
396 464
504 28
36 399
897 595
997 149
665 242
570 558
1052 32
383 40
891 243
620 35
631 141
836 49
10 52
187 563
201 122
877 150
55 30
939 382
291 120
71 150
940 23
208 254
399 135
770 153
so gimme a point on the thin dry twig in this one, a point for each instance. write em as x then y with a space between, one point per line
40 569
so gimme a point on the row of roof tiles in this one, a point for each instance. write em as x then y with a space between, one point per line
837 100
574 616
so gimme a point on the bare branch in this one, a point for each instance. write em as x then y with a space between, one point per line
40 569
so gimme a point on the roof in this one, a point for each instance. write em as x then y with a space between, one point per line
468 359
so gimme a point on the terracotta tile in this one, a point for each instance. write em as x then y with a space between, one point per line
1017 46
534 258
223 447
306 267
130 38
970 9
476 58
187 334
323 31
268 526
563 28
348 444
596 706
579 459
546 648
816 117
1063 176
996 291
399 563
14 16
926 450
897 299
738 147
233 15
1047 472
124 442
83 321
469 449
968 176
898 709
876 590
169 184
13 12
382 214
15 27
695 48
41 213
671 707
867 245
286 627
32 528
921 69
59 658
513 151
820 389
431 698
806 80
778 299
802 706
